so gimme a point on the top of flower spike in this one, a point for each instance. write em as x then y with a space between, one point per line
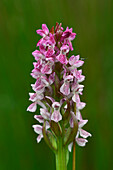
54 44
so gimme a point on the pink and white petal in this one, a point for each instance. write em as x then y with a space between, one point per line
56 105
45 29
52 78
35 74
65 49
79 63
39 118
37 129
82 78
37 54
84 133
77 57
32 97
38 87
80 105
35 96
45 82
65 107
81 141
76 98
37 64
72 36
71 122
69 78
39 42
78 115
40 96
77 135
39 138
80 88
70 45
50 98
40 32
56 116
65 89
46 69
70 147
74 86
72 60
81 123
47 125
45 114
62 59
42 48
32 107
50 52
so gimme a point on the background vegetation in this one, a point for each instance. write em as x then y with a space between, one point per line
92 20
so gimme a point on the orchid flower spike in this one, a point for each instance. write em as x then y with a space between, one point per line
57 90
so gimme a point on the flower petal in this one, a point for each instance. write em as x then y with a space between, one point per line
37 129
40 32
32 107
81 141
65 49
62 58
65 88
82 123
35 96
39 138
47 125
56 105
50 98
46 69
76 98
45 114
39 118
37 54
78 115
70 146
51 78
80 105
73 59
84 133
56 116
45 29
79 63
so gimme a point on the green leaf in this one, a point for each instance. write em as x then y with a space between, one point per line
46 138
67 156
71 132
56 128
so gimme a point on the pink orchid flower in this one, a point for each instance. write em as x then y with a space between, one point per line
65 88
56 116
44 31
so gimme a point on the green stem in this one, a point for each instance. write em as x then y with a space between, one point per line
61 156
74 152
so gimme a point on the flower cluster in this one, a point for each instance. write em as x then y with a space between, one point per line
57 88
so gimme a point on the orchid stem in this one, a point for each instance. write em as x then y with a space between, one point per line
61 156
74 145
74 155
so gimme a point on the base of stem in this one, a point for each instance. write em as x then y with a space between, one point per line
61 156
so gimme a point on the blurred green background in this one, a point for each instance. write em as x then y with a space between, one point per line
92 20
